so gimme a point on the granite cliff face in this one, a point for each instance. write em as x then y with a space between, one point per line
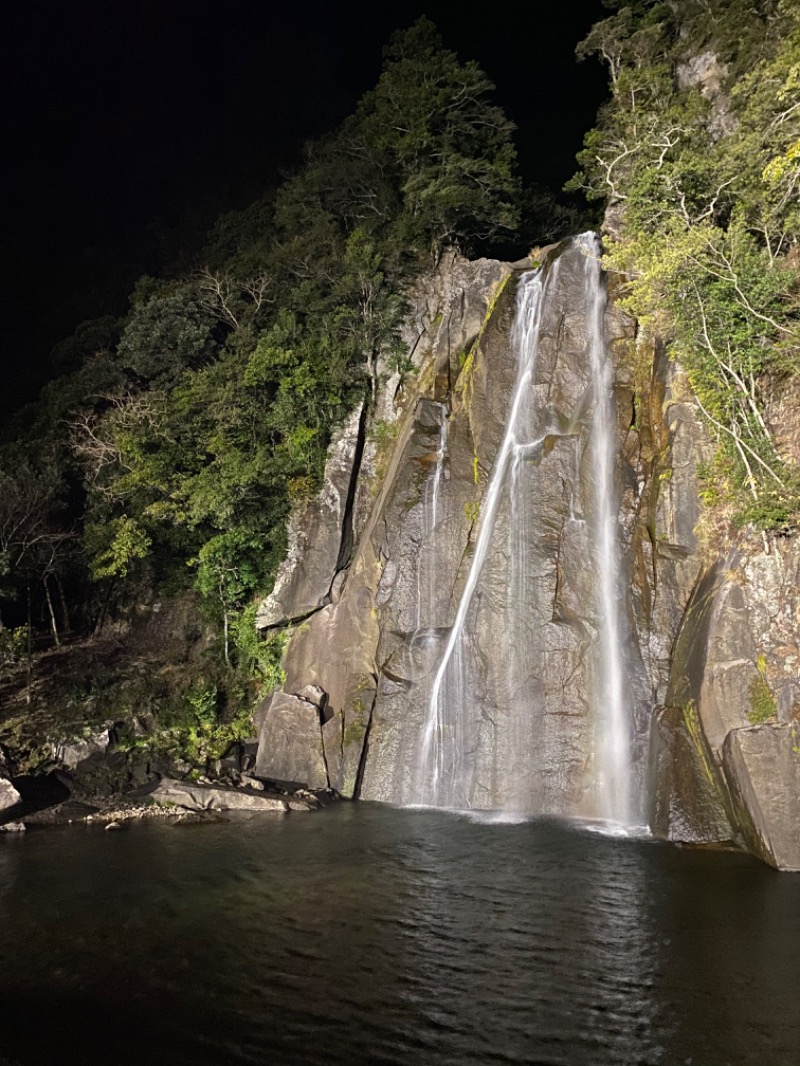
409 610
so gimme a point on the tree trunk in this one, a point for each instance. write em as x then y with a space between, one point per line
224 622
30 651
51 611
65 622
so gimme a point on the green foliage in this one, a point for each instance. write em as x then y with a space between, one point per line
165 333
763 707
115 545
182 435
13 645
697 156
472 511
260 655
192 729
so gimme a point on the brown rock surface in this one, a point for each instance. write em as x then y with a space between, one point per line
762 766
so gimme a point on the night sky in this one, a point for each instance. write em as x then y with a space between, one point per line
128 125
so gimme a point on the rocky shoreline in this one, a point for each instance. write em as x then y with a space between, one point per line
163 798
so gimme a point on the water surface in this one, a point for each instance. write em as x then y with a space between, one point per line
366 934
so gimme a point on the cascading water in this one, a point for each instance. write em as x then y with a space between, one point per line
426 580
441 783
528 709
612 715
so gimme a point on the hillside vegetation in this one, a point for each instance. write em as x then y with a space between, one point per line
168 451
697 157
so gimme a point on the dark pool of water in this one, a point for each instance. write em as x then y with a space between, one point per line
370 935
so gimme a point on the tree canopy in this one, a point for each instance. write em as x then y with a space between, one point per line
176 440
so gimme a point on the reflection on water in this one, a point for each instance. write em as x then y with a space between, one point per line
367 934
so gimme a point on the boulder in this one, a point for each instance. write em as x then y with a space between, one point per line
72 753
290 747
9 797
196 797
762 767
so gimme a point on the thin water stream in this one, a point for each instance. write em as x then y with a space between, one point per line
441 743
514 738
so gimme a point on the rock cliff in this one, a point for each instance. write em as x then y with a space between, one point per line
379 564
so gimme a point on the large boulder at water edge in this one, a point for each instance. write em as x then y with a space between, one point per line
198 797
762 766
9 797
290 749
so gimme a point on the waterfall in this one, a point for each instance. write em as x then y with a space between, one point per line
441 453
529 708
612 713
441 744
426 582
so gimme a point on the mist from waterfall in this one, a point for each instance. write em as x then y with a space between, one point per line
497 737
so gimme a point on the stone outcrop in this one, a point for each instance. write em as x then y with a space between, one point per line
199 797
735 676
712 618
73 753
290 749
315 552
762 767
9 797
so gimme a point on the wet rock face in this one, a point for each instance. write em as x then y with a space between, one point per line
690 802
529 659
712 632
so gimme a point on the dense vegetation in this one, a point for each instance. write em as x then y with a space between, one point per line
172 445
697 155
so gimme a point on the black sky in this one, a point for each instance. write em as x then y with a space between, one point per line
127 125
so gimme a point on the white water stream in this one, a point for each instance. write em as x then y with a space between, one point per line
526 731
612 714
441 738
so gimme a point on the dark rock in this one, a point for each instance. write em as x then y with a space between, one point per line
290 742
39 793
196 797
762 766
315 534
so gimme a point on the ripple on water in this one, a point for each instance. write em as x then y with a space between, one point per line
373 935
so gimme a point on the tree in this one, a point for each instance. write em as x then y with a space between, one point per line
446 146
702 171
